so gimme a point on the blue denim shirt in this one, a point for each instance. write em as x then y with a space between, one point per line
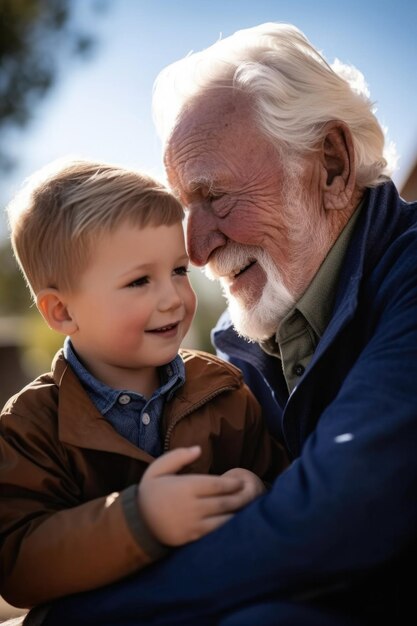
131 414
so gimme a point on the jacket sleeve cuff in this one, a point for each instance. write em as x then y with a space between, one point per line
138 527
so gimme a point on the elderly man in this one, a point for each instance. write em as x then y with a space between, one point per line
278 159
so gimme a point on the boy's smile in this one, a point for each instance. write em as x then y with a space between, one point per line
166 331
134 304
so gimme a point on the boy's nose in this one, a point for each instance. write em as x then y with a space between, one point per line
170 298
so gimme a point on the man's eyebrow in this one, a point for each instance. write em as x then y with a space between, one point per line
193 185
202 181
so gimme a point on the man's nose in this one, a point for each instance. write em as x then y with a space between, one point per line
203 235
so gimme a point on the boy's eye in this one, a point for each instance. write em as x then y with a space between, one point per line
139 282
181 271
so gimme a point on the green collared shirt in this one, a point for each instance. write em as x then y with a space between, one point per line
301 329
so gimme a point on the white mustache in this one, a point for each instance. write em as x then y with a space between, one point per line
231 259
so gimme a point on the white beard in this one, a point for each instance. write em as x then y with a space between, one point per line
260 320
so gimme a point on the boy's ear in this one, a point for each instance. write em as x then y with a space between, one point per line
54 309
339 171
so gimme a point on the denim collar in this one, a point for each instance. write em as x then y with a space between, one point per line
172 377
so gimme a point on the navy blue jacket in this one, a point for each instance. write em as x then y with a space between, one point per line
338 528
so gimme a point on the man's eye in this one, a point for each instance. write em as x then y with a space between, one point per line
212 197
181 271
139 282
220 203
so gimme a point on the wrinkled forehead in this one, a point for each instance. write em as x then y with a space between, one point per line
210 115
210 125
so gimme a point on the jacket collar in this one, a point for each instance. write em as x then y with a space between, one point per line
376 227
79 422
81 425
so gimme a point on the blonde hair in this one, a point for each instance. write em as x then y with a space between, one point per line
63 207
293 88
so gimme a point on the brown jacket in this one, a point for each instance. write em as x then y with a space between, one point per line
69 519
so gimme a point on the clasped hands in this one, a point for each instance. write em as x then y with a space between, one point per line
182 508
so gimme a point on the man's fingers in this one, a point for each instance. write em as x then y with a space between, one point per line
213 506
173 461
205 486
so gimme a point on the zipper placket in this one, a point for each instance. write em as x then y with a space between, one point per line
191 410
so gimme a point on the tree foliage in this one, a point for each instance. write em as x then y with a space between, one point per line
37 39
14 295
35 36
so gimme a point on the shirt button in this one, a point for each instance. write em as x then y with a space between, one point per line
146 419
124 399
298 369
169 370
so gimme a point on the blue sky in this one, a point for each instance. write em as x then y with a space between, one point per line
101 107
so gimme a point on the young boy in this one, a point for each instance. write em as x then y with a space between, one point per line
94 453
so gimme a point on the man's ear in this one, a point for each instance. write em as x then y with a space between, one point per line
339 171
54 309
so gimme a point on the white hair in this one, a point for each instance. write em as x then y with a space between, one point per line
294 90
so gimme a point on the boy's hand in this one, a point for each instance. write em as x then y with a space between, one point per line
183 508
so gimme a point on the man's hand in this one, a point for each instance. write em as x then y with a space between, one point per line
252 484
183 508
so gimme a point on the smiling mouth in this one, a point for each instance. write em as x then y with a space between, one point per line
243 269
164 329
